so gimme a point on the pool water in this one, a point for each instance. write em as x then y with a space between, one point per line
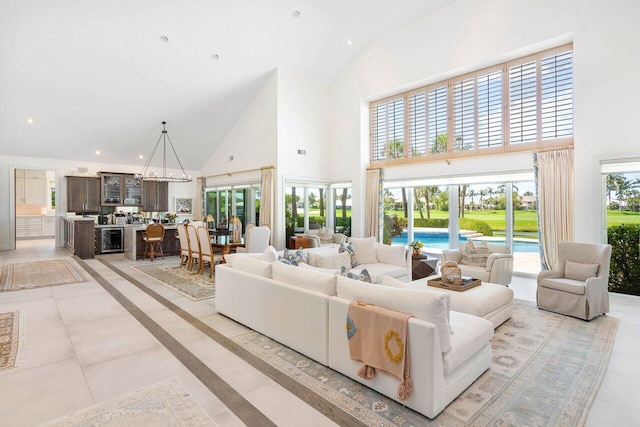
440 240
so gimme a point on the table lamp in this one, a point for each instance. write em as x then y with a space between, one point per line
236 229
210 219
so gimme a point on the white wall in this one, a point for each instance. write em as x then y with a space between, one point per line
61 169
469 35
252 141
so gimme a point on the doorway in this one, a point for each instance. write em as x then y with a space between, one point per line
35 204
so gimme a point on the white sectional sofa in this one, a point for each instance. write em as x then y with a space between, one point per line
305 309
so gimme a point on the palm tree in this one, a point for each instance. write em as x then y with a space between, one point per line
472 193
417 193
482 194
462 194
489 192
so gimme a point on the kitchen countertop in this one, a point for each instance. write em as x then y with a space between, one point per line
136 226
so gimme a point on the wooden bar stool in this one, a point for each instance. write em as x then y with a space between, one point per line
153 237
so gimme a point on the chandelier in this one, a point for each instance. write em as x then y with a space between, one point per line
145 176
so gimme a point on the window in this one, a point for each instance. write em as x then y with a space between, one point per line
524 104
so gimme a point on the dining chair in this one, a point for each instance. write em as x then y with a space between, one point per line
206 251
183 236
194 245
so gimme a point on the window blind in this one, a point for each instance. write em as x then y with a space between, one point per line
523 101
437 119
417 125
464 113
490 110
557 96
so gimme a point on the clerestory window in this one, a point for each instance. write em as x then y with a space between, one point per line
524 104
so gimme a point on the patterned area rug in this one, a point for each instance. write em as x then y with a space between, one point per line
29 275
11 339
546 370
188 283
164 404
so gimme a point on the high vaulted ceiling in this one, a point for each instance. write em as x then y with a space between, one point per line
95 75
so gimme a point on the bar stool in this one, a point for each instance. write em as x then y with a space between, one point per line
153 237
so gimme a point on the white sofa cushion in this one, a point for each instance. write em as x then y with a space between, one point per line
270 254
469 339
365 249
427 306
334 261
376 271
252 265
390 254
312 280
230 258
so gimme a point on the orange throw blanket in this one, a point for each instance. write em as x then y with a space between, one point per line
378 338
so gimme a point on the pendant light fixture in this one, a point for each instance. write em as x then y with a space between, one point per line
164 177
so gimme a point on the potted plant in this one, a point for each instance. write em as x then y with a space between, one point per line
416 245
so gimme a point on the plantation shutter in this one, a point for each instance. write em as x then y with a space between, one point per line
557 96
523 122
437 120
417 124
378 132
490 110
464 114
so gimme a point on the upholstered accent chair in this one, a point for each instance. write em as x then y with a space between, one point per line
256 239
498 267
579 287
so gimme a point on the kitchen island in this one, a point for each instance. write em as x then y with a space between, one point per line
134 245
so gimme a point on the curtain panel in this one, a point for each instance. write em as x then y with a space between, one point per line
554 190
200 208
267 196
373 209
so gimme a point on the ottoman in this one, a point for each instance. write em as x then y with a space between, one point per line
490 301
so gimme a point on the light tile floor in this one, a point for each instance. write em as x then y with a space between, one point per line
82 347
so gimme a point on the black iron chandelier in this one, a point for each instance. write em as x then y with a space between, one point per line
164 177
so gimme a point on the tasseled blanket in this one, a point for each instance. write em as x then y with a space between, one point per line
378 338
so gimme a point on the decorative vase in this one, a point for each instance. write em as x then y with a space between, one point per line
417 251
236 229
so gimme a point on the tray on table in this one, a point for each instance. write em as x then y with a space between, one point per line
437 283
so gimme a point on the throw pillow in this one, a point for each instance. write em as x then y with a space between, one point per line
365 249
351 250
579 271
270 254
254 266
475 255
390 254
291 258
364 275
336 261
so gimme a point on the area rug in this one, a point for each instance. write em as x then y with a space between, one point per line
11 339
164 404
38 274
546 371
188 283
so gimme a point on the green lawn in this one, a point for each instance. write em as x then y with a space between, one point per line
622 217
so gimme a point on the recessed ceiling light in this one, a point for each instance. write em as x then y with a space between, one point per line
141 156
30 121
349 42
97 151
164 39
215 56
296 14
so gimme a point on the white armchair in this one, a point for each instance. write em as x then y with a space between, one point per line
256 239
579 287
323 237
499 267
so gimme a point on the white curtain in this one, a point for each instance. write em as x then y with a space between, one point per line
554 187
372 202
267 196
200 208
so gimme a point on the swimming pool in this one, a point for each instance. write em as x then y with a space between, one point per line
440 240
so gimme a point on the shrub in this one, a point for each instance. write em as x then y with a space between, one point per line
475 224
431 222
624 270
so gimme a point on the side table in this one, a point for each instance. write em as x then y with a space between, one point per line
299 242
423 266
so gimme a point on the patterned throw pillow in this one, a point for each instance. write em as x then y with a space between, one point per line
475 255
348 247
364 275
293 258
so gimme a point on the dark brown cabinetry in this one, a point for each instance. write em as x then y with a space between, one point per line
79 237
120 189
83 194
155 196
